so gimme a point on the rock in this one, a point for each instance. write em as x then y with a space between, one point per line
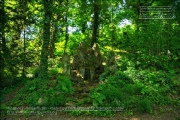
40 101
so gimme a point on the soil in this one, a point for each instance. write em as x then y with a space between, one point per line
173 115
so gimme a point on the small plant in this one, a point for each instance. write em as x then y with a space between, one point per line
64 84
76 112
97 99
128 112
144 106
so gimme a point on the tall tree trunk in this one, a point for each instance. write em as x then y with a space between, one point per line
24 53
43 68
67 35
96 23
84 27
54 32
112 28
53 40
87 73
84 20
4 48
2 38
168 44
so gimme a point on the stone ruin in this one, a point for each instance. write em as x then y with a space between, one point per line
87 62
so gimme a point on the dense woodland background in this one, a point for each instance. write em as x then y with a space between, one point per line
89 53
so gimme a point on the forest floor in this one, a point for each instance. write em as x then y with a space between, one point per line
173 115
81 91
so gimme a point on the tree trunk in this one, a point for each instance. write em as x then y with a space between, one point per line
66 20
84 26
24 54
96 23
4 48
87 74
52 44
55 31
43 68
2 38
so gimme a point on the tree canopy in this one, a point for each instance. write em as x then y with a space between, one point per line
124 46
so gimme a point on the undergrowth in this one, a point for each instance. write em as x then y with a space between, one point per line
40 93
128 90
139 90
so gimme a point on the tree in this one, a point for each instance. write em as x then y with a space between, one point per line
66 22
43 68
54 30
95 22
2 39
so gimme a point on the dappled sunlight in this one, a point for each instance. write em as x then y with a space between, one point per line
89 59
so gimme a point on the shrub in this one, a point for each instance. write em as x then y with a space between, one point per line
145 106
129 88
53 74
45 93
97 98
118 79
112 95
108 93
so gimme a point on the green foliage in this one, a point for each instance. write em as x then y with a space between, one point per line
52 74
3 109
97 98
65 84
128 113
113 94
100 113
127 88
147 53
51 93
118 78
76 112
55 100
106 95
145 106
6 91
109 92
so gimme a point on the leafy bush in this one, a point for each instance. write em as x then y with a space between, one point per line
65 84
53 74
130 102
97 98
127 88
55 100
112 93
145 106
108 93
118 78
45 93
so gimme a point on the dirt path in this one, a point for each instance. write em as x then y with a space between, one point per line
171 115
